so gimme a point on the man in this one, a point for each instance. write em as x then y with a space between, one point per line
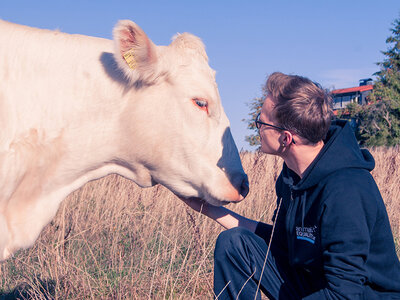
332 237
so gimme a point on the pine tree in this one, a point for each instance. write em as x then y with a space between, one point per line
379 122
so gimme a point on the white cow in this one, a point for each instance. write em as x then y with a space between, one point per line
75 108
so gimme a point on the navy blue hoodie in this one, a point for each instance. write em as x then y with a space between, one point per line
333 227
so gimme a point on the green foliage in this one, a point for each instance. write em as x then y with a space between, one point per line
379 122
255 108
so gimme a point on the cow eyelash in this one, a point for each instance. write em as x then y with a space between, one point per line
202 104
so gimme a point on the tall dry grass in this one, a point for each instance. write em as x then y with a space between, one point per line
113 240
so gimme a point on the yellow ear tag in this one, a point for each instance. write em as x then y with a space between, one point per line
130 59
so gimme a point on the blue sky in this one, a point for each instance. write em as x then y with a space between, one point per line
335 43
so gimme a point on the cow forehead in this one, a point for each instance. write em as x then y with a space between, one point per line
189 61
199 80
187 50
189 66
198 69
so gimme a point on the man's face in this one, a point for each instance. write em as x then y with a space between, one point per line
270 137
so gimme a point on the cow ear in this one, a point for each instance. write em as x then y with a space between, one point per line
135 53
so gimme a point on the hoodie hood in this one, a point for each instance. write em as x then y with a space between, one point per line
340 151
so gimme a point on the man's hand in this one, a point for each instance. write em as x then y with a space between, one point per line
220 214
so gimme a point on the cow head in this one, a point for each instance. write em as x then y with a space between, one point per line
177 133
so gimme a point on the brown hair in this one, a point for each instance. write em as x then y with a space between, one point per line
301 106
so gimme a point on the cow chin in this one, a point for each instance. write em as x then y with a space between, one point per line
217 202
215 195
223 196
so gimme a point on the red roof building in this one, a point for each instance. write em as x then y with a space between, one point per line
358 94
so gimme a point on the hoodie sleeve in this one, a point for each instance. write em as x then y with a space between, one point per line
347 217
264 231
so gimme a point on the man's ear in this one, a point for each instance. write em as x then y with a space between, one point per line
284 139
135 53
288 139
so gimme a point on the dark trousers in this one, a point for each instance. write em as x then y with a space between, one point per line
238 262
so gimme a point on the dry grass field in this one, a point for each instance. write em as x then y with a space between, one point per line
113 240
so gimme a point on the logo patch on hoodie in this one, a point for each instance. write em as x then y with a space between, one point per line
306 233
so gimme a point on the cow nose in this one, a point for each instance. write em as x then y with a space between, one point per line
244 187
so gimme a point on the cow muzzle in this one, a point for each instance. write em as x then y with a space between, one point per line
241 191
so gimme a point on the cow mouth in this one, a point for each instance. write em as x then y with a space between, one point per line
231 193
233 197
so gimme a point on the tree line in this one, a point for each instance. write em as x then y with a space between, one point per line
378 122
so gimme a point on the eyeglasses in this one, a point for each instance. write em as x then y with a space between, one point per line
259 123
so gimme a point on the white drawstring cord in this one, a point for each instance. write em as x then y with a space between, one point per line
269 247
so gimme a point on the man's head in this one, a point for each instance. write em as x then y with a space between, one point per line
295 111
300 106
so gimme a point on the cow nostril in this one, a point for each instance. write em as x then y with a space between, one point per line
244 188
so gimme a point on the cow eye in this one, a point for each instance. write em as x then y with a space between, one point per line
202 104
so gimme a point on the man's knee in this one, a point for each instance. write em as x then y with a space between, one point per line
231 241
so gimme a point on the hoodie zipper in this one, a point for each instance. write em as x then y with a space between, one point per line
289 226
